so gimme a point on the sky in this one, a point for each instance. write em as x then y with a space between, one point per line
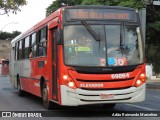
30 14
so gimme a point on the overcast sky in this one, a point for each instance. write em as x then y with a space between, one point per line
30 14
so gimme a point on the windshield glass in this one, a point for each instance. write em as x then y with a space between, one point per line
118 46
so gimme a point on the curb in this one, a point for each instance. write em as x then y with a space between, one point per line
153 86
153 83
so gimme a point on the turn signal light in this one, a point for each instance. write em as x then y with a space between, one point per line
65 77
142 76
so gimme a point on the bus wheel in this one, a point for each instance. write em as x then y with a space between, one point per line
47 104
20 91
109 106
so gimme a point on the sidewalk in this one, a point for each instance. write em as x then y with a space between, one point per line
153 83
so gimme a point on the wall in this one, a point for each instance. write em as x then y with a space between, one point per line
5 46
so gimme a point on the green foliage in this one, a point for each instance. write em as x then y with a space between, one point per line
13 6
137 4
91 2
53 7
153 37
153 56
9 36
155 25
57 4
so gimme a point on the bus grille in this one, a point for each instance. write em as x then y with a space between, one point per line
116 80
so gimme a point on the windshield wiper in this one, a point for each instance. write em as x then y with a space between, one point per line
121 36
91 31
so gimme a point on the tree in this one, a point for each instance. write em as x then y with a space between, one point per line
57 4
8 35
153 37
13 6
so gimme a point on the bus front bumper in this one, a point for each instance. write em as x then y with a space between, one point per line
75 97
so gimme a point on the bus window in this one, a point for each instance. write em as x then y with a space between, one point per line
80 55
33 46
26 49
122 45
42 42
20 55
15 50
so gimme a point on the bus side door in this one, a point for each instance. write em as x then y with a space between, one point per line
54 65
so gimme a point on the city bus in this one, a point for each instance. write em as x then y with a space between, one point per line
82 55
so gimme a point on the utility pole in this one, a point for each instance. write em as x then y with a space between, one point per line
142 14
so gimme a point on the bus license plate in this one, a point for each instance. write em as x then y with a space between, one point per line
107 96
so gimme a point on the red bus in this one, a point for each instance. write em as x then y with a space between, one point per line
81 55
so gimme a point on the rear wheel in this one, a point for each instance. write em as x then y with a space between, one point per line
20 91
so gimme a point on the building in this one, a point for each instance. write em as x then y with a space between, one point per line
5 46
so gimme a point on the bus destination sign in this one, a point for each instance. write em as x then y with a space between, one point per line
101 14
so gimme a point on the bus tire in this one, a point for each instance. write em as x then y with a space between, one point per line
20 91
46 103
109 106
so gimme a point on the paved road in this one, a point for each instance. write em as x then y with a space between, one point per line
10 101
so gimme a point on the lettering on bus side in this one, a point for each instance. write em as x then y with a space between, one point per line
120 76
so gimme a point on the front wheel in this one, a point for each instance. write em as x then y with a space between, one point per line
46 103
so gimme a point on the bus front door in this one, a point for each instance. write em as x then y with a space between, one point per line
54 66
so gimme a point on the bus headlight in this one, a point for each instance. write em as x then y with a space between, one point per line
140 80
69 82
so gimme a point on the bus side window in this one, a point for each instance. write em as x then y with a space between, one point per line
15 51
26 47
19 50
33 46
42 42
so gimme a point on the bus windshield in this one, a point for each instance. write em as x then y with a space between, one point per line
118 46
